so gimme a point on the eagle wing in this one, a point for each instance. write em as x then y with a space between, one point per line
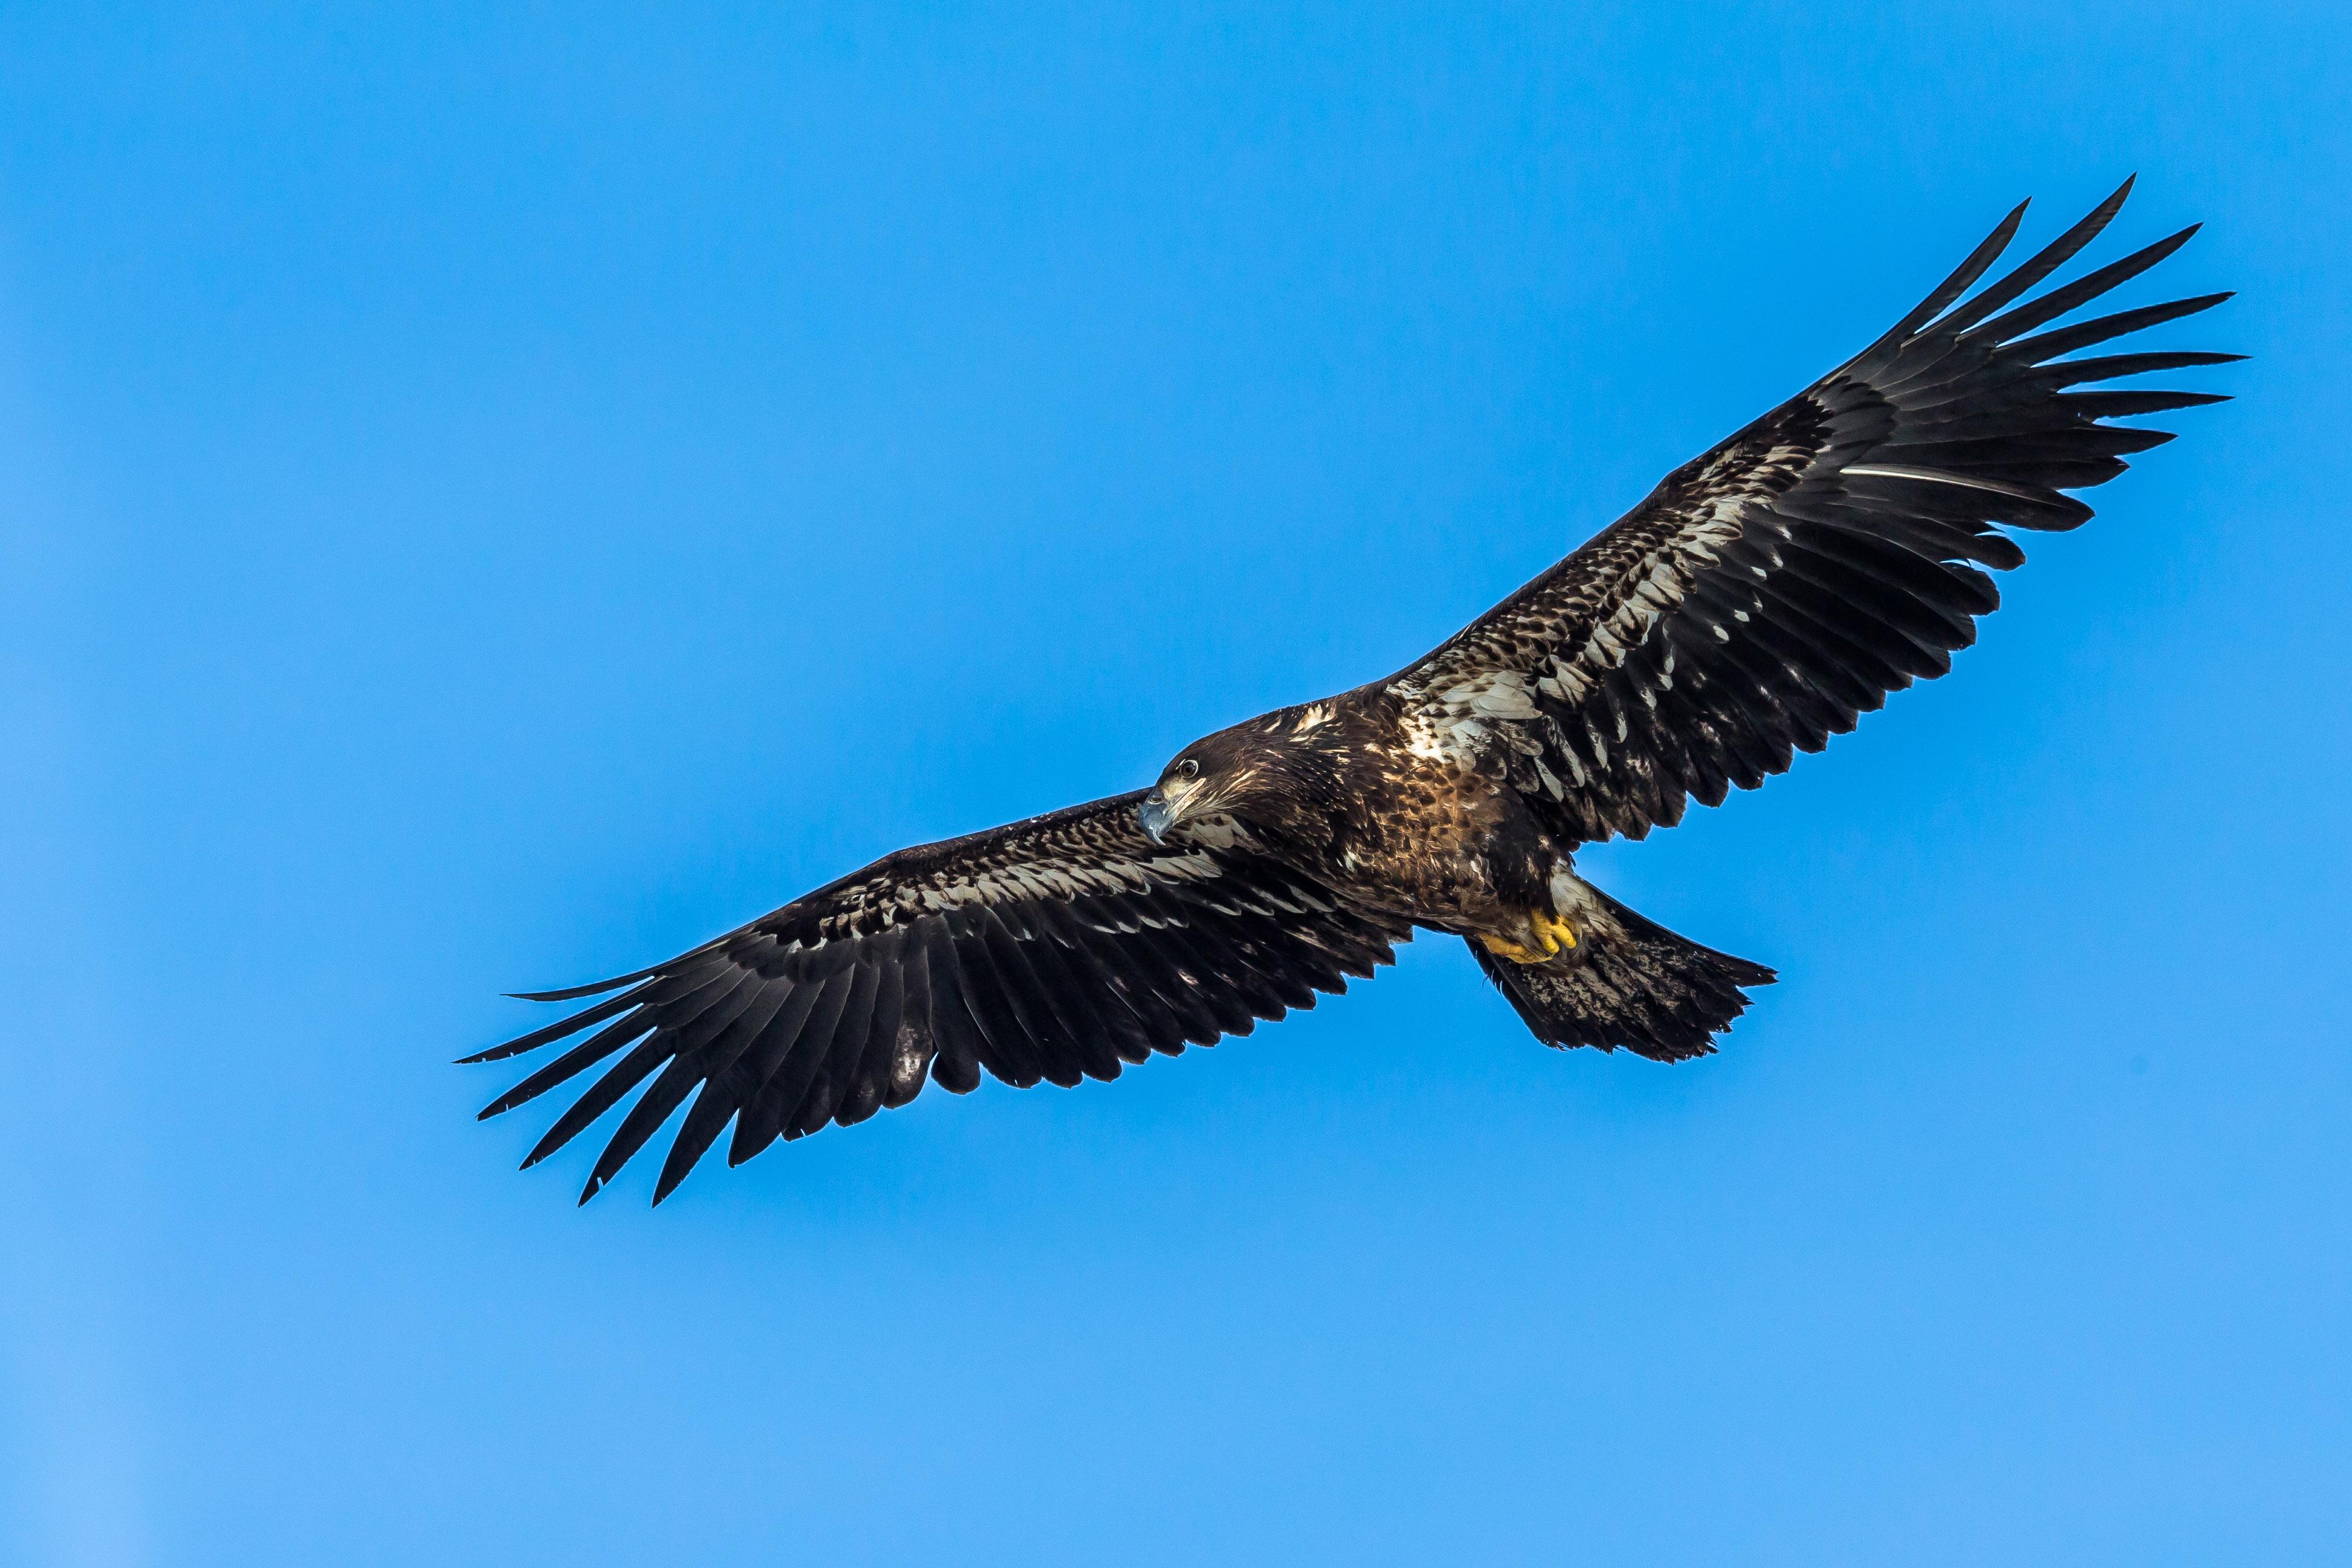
1057 948
1776 587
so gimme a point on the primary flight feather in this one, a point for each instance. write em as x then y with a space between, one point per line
1763 596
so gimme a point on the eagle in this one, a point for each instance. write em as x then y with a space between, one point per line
1760 598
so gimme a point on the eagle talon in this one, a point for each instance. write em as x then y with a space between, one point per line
1553 935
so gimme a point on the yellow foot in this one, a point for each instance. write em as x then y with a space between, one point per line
1553 936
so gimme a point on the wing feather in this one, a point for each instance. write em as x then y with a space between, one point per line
1780 585
1054 950
715 1103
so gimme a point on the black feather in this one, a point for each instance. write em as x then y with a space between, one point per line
2045 262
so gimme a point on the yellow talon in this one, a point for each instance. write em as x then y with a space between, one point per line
1556 937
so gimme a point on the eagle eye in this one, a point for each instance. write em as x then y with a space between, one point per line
1188 769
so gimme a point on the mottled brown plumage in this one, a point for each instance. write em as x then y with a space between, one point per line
1767 593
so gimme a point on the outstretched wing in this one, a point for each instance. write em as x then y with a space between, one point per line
1057 948
1770 591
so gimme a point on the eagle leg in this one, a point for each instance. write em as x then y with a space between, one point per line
1553 935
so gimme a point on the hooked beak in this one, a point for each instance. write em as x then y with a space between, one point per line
1156 817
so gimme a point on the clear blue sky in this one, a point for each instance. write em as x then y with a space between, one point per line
487 502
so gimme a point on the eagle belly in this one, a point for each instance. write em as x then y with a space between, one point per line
1446 848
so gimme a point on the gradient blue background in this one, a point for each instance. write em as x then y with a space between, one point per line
485 503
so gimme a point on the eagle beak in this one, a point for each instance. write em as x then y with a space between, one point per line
1155 816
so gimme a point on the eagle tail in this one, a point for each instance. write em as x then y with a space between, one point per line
1628 982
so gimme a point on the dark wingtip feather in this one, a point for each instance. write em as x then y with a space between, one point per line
1962 276
2061 340
573 993
569 1126
2041 265
507 1102
684 1156
598 988
2128 405
669 977
2059 301
2118 366
499 1052
562 1030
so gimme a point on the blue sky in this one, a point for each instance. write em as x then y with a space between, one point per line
490 500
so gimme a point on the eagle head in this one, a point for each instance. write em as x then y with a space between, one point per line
1260 773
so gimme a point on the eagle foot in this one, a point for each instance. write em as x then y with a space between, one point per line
1553 936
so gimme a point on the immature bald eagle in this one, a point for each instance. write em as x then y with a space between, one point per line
1762 596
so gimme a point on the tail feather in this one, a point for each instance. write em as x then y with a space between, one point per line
1628 982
